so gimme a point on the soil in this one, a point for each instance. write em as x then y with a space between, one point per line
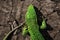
12 13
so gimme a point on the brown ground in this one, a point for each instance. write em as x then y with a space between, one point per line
14 10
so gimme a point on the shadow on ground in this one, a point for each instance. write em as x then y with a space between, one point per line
48 28
57 1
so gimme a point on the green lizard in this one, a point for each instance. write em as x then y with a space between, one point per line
32 26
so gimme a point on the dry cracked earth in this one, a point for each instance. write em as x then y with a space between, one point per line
14 10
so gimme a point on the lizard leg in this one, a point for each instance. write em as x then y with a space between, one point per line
24 30
43 26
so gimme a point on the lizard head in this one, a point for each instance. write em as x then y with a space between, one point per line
31 14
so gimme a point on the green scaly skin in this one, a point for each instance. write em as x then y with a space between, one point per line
31 22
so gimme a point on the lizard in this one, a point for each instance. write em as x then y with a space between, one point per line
32 25
34 20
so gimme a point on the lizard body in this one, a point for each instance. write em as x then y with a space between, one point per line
32 25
